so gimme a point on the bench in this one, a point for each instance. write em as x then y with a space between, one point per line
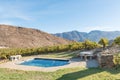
15 57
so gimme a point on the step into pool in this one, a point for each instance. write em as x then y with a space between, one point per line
41 62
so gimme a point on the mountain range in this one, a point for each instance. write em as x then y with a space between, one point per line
20 37
94 35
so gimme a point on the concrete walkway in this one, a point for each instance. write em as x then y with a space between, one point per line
88 63
76 62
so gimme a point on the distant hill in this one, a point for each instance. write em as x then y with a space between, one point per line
19 37
95 35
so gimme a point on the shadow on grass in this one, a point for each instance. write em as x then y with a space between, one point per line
87 72
67 54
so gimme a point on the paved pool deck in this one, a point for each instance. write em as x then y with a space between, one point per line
76 62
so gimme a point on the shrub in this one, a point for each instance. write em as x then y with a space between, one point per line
5 53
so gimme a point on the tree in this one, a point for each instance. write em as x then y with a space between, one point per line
89 44
104 42
117 40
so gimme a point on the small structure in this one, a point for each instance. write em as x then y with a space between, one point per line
15 57
86 55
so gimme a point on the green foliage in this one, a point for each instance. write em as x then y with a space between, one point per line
104 42
5 53
117 59
117 40
90 45
76 46
62 74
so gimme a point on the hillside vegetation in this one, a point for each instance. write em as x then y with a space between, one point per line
5 53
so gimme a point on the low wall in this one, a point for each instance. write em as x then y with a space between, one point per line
105 61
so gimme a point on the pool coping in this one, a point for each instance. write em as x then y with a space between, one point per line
26 62
15 65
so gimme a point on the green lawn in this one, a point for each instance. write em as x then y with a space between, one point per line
61 55
65 55
63 74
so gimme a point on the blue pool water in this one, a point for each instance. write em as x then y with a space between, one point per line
45 62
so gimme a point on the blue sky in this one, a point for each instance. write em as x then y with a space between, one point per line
55 16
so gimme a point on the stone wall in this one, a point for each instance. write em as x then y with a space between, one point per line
105 61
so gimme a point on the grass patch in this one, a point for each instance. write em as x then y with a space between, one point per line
66 55
63 74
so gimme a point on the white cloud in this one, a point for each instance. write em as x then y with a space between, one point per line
27 10
102 28
8 11
7 22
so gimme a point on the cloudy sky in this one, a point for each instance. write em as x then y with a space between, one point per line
54 16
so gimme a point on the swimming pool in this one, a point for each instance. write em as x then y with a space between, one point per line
40 62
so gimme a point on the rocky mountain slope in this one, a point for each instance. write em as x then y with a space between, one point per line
95 35
19 37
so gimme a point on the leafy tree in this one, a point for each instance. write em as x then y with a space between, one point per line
117 40
89 44
104 42
86 42
74 46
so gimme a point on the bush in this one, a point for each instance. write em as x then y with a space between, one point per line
5 53
117 59
117 40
